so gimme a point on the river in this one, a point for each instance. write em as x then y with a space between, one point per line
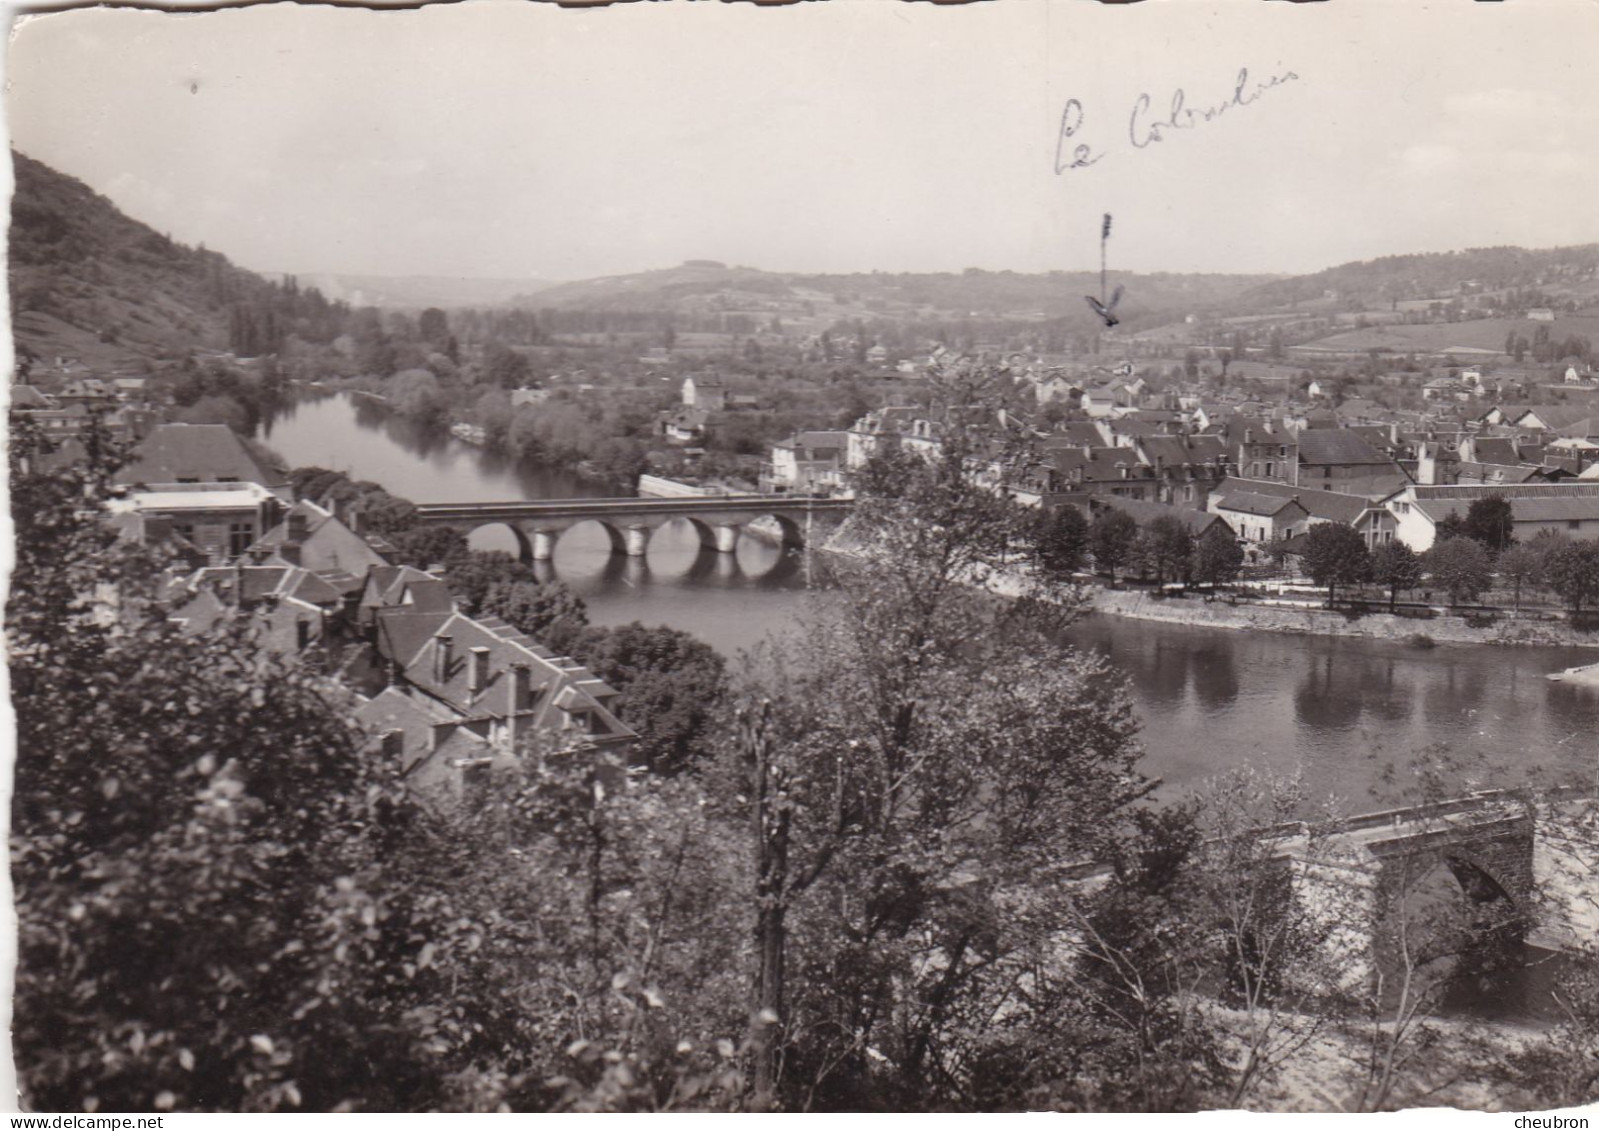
1336 709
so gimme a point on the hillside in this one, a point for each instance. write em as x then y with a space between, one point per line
90 283
417 292
703 287
1562 274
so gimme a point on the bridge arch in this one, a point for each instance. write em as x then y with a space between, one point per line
521 547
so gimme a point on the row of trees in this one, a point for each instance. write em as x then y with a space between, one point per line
1164 549
1472 553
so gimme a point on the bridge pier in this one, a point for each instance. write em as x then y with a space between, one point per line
727 537
544 545
638 541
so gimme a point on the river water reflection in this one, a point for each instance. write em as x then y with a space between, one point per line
1336 709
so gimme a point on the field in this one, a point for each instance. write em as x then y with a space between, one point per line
1483 333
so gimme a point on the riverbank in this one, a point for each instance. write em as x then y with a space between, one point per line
1301 620
1309 621
1306 620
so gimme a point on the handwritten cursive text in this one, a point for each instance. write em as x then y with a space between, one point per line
1146 127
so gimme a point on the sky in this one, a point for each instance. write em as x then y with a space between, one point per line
497 139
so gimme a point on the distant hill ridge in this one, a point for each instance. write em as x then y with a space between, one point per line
91 283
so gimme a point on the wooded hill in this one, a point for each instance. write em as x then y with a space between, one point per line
90 283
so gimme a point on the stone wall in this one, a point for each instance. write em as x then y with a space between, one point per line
1195 610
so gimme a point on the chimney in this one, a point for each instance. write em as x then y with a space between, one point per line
296 525
478 677
521 687
443 654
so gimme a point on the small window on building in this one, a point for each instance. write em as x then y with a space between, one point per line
1573 524
184 530
240 535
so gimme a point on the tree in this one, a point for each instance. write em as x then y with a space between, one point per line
1521 566
908 707
546 611
427 546
1572 571
433 325
1111 537
1335 555
1217 556
188 814
1461 567
672 685
1490 521
1452 525
1395 566
1170 548
416 392
1061 539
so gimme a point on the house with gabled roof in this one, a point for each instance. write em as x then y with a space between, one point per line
312 536
1258 517
1339 459
1372 519
497 682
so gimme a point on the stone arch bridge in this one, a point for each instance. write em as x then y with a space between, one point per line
719 519
1527 871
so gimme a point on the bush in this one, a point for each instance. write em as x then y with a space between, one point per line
1420 640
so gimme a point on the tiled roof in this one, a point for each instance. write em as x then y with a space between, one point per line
1529 502
26 396
1177 450
1498 472
1332 505
1249 502
1495 449
1144 513
208 453
402 634
327 544
1338 447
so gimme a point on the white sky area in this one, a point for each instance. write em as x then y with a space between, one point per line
501 139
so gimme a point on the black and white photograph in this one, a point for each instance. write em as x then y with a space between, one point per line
857 556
